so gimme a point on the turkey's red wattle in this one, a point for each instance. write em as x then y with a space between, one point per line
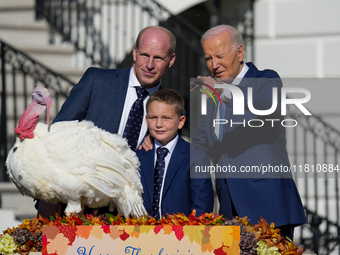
29 120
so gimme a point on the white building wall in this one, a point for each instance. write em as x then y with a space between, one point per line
298 38
301 39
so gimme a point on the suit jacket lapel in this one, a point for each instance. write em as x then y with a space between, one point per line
147 162
174 164
250 74
119 83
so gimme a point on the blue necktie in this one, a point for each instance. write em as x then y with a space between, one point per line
135 120
158 179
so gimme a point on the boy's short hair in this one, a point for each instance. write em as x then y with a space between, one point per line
167 96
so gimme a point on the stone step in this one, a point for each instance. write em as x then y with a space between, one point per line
16 4
58 58
8 220
19 13
38 38
11 197
21 17
14 206
19 28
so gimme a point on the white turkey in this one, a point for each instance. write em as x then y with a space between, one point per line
74 162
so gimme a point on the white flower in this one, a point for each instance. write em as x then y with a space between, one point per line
7 244
263 249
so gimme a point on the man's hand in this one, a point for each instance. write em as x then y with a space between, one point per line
147 144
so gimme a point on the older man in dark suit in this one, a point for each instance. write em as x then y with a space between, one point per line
273 196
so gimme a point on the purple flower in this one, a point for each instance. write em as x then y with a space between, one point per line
21 235
248 242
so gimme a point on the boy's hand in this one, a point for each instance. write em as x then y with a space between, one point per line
147 143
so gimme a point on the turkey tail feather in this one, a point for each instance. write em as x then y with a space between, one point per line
131 203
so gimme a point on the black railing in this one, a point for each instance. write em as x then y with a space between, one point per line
314 148
19 75
96 26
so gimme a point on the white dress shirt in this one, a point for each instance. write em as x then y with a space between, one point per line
130 98
226 95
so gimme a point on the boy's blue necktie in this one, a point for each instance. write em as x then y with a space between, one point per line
158 179
135 120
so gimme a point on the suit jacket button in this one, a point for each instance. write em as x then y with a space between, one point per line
225 181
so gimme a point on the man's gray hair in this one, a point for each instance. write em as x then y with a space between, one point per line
235 36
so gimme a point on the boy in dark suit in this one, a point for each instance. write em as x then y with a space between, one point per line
165 170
